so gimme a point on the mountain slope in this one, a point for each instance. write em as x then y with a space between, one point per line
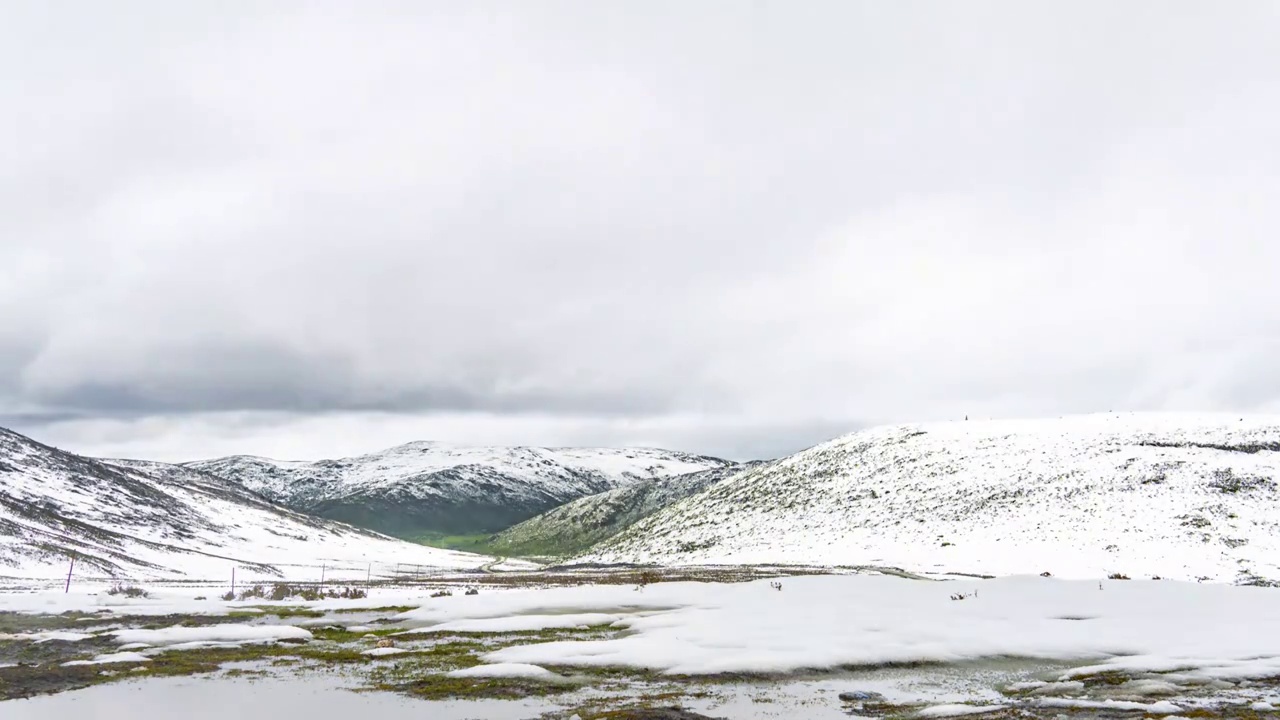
426 487
137 519
576 526
1180 496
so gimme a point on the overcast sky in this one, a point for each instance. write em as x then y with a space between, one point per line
737 228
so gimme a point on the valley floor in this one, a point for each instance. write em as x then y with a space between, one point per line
730 643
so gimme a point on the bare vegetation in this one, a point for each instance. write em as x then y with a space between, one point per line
129 591
310 593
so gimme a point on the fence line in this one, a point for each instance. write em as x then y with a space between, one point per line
241 574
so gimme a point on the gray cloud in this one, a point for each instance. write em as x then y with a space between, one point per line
787 221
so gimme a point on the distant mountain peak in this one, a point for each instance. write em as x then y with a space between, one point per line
137 518
426 487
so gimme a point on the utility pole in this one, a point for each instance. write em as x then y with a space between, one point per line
69 571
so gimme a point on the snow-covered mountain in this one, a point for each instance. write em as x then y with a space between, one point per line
576 526
428 487
1179 496
133 519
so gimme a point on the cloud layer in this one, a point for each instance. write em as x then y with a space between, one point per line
717 228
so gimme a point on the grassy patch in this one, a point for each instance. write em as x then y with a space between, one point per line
520 637
28 681
204 660
470 543
52 652
606 673
627 706
385 610
47 678
1107 678
423 674
15 623
343 635
242 672
442 657
1231 712
442 687
287 611
561 545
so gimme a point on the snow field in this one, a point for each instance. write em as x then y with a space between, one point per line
1186 632
1024 642
1191 631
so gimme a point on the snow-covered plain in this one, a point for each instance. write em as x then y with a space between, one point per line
181 598
1193 632
1178 496
141 521
1020 642
1184 630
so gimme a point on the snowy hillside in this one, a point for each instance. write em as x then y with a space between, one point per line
1179 496
145 520
427 487
575 527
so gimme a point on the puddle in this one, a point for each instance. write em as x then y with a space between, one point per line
222 698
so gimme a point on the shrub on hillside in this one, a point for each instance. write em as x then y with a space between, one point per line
130 591
284 591
649 577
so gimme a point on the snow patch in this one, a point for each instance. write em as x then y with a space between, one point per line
120 657
43 637
1158 708
234 634
385 651
956 710
505 670
525 623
